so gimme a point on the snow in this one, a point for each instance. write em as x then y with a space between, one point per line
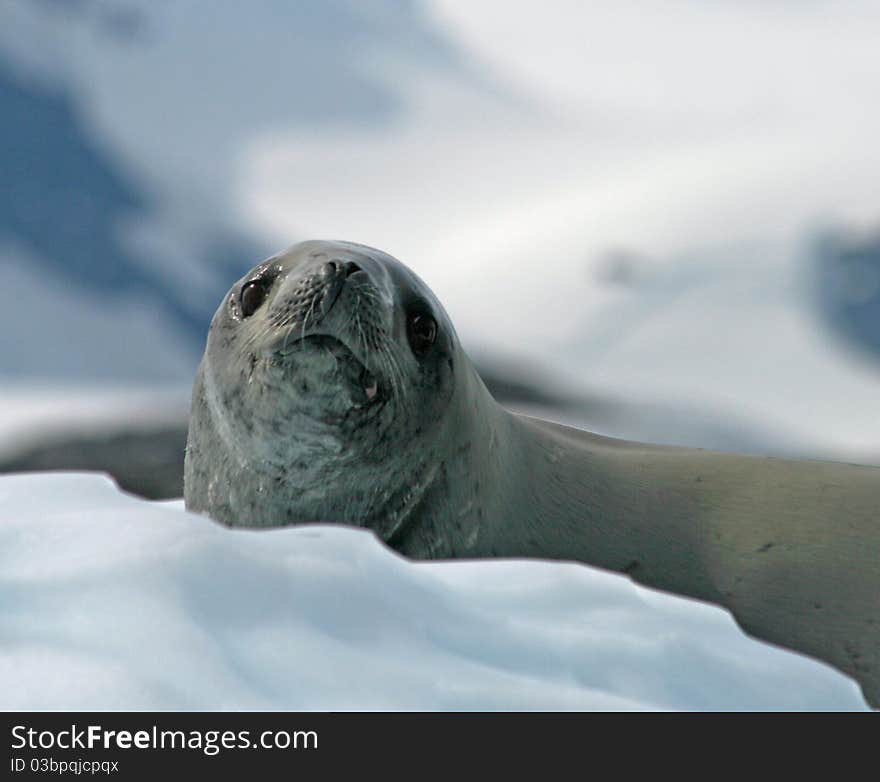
110 602
31 412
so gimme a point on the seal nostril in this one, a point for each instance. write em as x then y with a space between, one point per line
349 268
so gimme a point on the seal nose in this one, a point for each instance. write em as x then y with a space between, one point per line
332 276
338 270
349 268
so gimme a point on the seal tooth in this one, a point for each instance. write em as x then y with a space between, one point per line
370 384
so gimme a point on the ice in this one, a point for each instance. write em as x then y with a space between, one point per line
112 602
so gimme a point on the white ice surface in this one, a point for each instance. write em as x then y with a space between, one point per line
110 602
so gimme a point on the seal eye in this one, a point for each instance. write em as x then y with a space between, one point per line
422 332
252 296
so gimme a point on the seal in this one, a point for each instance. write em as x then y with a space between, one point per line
333 388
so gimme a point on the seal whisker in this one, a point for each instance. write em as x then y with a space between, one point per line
287 334
246 345
396 376
308 314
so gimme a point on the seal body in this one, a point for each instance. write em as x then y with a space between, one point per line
334 389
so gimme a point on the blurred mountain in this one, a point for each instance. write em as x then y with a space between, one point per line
138 137
65 202
846 286
122 127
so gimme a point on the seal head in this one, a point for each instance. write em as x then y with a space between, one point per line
324 395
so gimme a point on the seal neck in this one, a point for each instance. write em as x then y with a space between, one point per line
573 495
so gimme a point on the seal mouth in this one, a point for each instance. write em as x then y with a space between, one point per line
350 365
346 346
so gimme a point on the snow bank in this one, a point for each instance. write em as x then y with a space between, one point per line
109 602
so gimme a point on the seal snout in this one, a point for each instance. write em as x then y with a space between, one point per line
305 299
